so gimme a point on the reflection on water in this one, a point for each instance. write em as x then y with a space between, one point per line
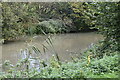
66 45
34 62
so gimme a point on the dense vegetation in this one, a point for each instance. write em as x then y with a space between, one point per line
30 18
99 61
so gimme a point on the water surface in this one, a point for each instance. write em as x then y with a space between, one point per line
66 45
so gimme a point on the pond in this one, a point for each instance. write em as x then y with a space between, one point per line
65 45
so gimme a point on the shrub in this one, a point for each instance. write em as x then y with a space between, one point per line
51 26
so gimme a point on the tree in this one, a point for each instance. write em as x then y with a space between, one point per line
17 19
107 21
82 15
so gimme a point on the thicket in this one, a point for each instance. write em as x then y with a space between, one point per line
107 22
30 18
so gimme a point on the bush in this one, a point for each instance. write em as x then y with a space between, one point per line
51 26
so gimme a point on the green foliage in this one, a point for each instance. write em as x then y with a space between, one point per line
0 21
17 17
51 26
8 25
28 18
82 15
107 21
106 64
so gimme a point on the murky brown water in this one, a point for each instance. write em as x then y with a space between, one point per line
66 45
